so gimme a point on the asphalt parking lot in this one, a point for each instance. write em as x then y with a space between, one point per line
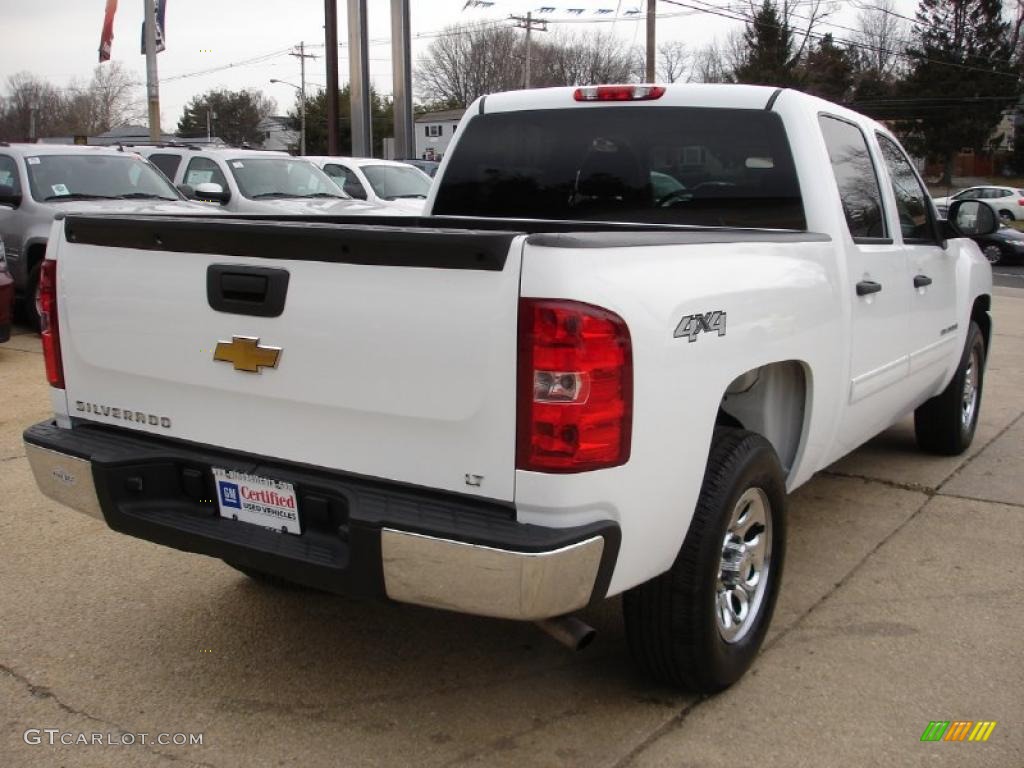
900 605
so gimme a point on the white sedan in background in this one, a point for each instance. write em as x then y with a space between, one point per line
1008 202
386 183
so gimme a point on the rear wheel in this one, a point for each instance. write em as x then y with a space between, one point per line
1006 215
700 625
946 423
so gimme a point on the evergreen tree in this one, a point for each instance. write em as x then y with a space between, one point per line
382 121
960 77
234 115
828 71
769 58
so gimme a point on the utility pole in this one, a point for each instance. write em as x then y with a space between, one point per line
331 41
359 79
650 41
528 23
302 56
152 80
401 73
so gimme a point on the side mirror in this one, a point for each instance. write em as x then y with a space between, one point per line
972 218
212 192
8 196
187 190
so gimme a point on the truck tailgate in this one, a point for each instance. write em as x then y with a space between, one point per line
397 345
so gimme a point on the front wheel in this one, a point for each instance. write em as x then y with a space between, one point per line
994 254
1006 215
946 423
700 625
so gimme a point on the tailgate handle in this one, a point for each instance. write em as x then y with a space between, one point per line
239 290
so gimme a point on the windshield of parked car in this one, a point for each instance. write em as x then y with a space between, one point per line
730 167
391 182
261 178
100 176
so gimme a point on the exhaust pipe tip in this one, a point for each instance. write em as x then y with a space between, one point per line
569 631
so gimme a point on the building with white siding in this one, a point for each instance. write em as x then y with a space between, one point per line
434 132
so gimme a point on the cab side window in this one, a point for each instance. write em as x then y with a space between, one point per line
203 170
9 183
856 178
911 197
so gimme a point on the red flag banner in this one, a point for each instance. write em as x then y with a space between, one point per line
107 36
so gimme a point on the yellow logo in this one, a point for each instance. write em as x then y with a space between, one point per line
246 354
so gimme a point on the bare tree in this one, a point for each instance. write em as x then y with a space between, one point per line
114 93
673 61
881 39
710 65
465 62
584 58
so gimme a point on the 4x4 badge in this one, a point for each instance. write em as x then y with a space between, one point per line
246 354
692 325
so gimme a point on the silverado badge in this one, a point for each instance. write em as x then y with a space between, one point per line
246 354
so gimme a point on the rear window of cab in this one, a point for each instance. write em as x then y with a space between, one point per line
664 165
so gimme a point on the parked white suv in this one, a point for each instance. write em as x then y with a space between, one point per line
397 186
253 181
1008 202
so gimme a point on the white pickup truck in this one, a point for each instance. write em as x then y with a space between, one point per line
635 319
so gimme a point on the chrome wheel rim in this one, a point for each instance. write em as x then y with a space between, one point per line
993 254
744 567
969 396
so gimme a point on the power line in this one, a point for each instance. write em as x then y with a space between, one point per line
716 11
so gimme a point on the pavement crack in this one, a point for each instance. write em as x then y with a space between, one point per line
662 730
914 487
42 692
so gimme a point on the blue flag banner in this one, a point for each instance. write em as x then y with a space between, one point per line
161 11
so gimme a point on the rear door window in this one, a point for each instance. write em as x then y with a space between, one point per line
9 175
663 165
168 164
855 177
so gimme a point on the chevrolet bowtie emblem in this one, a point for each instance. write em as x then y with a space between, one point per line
246 354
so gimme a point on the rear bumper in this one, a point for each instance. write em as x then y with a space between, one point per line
360 536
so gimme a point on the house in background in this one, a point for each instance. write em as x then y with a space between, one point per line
275 133
434 131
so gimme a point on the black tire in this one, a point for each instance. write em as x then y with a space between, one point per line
672 625
940 424
1007 215
270 579
993 253
29 299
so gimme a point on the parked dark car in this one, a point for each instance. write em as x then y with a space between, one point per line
1004 245
429 167
6 297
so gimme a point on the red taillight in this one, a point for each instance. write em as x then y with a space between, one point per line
48 324
619 93
575 388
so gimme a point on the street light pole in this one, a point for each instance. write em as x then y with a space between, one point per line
302 55
302 111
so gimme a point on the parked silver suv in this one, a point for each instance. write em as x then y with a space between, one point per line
39 181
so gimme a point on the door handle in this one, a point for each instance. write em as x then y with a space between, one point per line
244 290
865 287
920 281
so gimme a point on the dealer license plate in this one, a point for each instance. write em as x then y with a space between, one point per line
257 500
